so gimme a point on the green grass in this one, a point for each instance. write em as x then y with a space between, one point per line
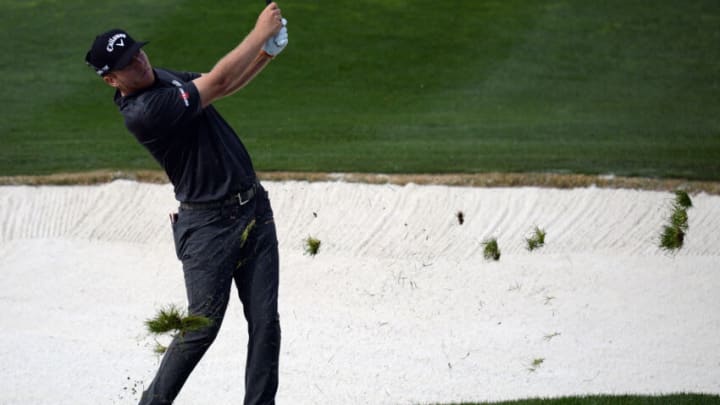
682 199
491 251
674 399
672 236
312 245
537 240
173 320
391 86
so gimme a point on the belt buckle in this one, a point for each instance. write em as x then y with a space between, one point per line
250 193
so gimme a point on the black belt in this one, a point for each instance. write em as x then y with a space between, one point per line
240 198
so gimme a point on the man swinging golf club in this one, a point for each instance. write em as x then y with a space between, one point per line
224 227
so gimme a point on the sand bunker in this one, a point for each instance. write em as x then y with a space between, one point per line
398 307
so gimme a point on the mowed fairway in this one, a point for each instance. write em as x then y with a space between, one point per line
621 87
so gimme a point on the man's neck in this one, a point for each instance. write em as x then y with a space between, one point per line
128 91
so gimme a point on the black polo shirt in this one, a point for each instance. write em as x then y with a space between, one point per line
201 154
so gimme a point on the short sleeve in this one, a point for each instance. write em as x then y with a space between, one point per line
165 110
184 76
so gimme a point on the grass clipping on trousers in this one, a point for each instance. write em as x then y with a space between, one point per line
175 322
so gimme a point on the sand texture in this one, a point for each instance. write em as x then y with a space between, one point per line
398 307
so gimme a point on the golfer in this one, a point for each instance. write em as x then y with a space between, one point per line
224 227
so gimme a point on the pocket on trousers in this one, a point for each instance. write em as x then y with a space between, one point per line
177 238
199 235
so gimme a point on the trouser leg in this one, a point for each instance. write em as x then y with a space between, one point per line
208 278
184 353
257 282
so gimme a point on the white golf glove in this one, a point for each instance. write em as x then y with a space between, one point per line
278 42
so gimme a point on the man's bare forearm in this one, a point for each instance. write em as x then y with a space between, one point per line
258 64
225 77
231 67
229 73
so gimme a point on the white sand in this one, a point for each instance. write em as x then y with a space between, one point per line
398 307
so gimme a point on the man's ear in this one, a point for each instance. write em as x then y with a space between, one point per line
111 80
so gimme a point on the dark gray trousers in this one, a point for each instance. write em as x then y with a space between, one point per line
217 246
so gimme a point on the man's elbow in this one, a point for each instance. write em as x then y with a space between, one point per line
212 87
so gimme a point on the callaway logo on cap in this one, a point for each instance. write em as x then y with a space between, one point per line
111 51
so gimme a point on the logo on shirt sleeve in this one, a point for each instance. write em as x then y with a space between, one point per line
185 96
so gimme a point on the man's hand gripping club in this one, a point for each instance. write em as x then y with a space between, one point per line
275 44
